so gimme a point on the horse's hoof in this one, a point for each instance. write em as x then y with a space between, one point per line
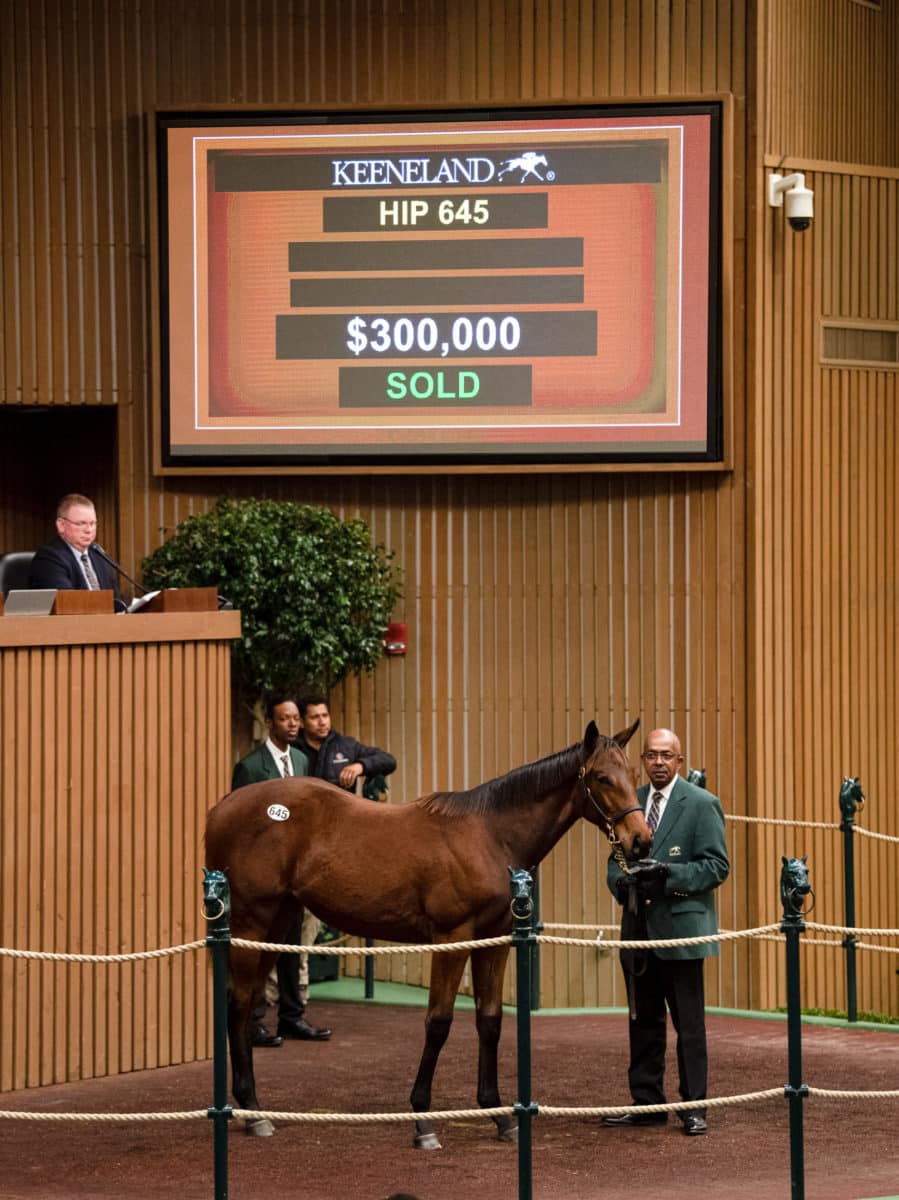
508 1129
426 1141
261 1128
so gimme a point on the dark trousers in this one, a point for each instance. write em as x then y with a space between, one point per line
678 984
290 1007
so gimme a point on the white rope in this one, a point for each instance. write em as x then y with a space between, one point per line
545 1110
881 837
368 951
102 958
852 929
780 821
252 1114
664 943
830 1094
105 1117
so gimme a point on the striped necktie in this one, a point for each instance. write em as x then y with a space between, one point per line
285 765
92 581
652 813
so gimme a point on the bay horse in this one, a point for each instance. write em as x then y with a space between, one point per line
433 871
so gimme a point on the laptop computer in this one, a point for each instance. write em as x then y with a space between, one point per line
29 602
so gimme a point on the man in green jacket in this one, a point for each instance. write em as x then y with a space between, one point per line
670 898
276 758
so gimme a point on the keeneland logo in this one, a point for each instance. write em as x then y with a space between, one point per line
428 171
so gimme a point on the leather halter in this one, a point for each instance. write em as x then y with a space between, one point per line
608 820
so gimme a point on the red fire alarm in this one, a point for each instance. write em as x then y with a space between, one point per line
395 638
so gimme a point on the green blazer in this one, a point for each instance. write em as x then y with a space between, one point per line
690 840
259 766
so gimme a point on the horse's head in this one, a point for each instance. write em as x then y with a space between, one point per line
610 795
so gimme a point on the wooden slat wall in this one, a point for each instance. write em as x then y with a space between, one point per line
110 756
830 73
533 602
822 453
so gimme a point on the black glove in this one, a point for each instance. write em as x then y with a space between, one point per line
649 878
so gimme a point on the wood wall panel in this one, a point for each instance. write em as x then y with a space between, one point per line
830 78
533 602
826 551
111 755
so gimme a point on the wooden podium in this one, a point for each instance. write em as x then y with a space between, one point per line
115 739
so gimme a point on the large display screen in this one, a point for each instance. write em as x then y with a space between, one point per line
377 289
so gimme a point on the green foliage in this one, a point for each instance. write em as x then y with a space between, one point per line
315 595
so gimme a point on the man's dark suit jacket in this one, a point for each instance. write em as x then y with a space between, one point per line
258 766
55 566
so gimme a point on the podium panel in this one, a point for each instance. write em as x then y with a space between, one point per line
115 740
74 603
179 600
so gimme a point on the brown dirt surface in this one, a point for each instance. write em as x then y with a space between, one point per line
368 1066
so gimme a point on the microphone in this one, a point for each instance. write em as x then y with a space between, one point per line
115 566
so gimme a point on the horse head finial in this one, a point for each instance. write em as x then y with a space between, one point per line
794 885
216 894
852 798
522 883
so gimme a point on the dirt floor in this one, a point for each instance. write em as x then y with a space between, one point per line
368 1066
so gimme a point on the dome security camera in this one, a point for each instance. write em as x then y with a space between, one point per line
799 202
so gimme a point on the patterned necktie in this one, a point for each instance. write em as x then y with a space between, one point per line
285 765
652 813
92 581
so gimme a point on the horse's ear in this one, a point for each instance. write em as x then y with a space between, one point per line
625 735
591 738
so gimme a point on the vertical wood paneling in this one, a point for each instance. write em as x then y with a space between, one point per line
111 756
832 74
824 461
533 603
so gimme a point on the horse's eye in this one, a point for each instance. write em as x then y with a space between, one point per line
603 780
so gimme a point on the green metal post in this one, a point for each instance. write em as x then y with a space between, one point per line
794 888
217 911
369 972
523 940
537 924
851 799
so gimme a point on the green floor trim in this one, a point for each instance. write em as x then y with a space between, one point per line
407 996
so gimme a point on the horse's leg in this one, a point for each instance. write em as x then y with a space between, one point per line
488 968
446 972
247 978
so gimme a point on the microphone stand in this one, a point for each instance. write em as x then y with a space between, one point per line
115 566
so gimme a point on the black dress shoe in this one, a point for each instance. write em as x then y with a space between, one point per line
301 1031
628 1119
694 1124
260 1036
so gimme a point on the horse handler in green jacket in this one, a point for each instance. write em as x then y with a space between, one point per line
670 896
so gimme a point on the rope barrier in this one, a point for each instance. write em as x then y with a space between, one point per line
545 1110
770 932
108 1118
368 951
102 958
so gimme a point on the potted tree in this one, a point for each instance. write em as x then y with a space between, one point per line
315 594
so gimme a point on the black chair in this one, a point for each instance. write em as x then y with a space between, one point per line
14 570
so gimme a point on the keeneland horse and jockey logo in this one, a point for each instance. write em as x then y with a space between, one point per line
528 163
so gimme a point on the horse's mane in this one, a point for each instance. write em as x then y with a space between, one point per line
520 786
